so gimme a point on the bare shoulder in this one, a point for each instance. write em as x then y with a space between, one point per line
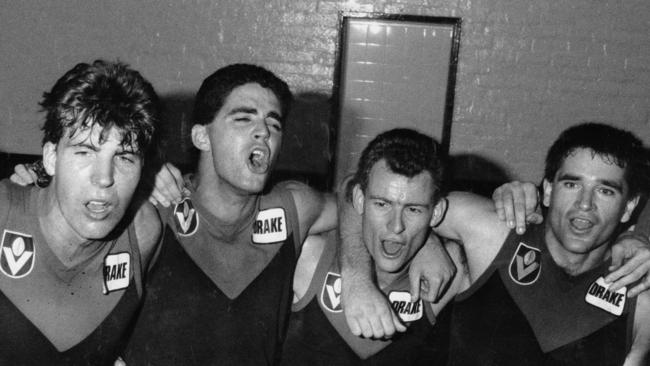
148 229
316 210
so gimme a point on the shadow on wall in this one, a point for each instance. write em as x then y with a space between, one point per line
306 148
474 173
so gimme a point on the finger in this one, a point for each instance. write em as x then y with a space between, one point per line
354 326
158 197
519 207
388 325
434 291
24 174
636 290
428 293
618 256
630 278
415 287
377 327
497 197
508 208
178 178
399 326
366 328
535 218
532 198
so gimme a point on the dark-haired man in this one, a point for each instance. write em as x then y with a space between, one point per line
539 298
71 254
221 287
397 190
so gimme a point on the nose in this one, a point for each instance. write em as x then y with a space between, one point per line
261 131
102 175
585 199
396 224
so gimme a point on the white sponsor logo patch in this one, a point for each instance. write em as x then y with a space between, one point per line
407 310
330 295
525 265
599 296
186 218
117 270
16 254
270 226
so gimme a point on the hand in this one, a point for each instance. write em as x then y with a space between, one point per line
517 203
169 187
367 311
431 271
635 253
23 176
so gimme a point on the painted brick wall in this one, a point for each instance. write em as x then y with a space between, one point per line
527 69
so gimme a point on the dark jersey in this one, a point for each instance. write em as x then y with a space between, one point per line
318 333
525 310
219 295
53 315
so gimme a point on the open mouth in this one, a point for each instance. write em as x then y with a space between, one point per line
98 209
391 248
581 224
258 161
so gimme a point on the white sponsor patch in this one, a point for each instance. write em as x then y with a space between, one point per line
330 295
117 270
407 310
599 296
270 226
16 254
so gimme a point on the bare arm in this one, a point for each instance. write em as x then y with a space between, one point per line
640 332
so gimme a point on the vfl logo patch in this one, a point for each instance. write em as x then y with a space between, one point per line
330 296
599 296
117 270
16 254
270 226
525 265
407 310
186 218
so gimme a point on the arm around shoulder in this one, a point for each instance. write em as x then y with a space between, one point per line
638 354
148 229
316 210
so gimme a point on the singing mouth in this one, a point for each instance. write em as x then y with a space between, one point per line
391 248
99 209
259 160
581 224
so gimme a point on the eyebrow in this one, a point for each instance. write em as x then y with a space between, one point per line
405 203
608 182
250 110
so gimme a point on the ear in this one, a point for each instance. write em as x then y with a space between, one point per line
200 137
49 158
358 198
439 211
548 188
629 208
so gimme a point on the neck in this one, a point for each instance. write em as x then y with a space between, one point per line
69 247
221 199
385 279
574 264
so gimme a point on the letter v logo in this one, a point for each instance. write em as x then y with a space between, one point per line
525 265
186 218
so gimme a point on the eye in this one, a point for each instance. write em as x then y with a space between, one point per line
569 184
242 119
606 191
274 125
414 210
380 204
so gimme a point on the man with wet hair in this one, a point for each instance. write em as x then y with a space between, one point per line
540 298
397 191
71 254
221 286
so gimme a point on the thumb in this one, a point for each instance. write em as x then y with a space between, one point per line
415 287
